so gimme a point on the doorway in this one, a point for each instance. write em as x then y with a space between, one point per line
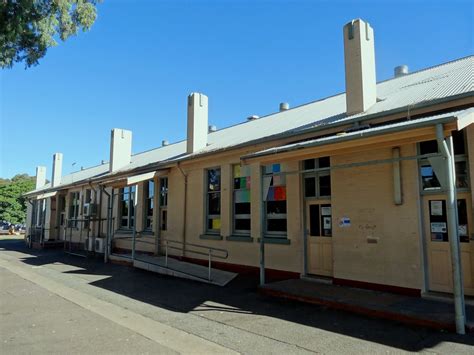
437 241
319 231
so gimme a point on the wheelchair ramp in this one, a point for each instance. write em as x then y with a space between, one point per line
183 269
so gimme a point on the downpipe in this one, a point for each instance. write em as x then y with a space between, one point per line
108 225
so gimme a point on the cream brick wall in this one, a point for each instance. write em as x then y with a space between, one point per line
365 195
280 257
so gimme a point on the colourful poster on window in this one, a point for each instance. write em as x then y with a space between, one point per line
280 193
245 170
242 196
237 170
271 194
216 223
279 180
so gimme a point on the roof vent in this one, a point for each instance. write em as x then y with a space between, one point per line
401 70
164 143
212 128
284 106
102 161
253 118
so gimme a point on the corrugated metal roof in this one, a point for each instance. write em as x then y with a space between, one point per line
364 133
442 81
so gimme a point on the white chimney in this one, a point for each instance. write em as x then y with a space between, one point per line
197 122
57 169
359 58
120 149
40 176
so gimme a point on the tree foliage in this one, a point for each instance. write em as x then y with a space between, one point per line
12 202
29 27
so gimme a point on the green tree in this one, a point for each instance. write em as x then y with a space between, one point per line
12 201
29 27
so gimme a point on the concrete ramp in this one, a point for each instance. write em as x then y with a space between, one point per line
183 269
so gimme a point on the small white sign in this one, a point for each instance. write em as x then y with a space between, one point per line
438 227
344 222
436 208
326 211
327 222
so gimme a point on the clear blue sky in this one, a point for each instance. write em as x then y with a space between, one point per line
141 59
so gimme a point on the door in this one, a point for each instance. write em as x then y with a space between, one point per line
438 248
319 230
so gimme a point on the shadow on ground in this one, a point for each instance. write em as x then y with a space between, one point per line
240 296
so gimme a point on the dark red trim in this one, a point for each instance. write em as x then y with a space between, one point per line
121 262
378 287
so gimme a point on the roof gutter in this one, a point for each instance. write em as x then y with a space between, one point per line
360 135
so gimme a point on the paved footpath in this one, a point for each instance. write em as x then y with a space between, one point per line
52 303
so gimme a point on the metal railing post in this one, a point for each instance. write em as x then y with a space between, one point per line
166 253
209 272
70 239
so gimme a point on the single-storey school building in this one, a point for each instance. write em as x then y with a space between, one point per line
370 188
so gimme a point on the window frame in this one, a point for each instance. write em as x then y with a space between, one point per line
74 208
458 158
316 176
274 216
235 216
41 213
208 192
132 192
163 183
87 200
148 219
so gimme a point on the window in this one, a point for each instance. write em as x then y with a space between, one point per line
86 207
241 196
149 204
164 203
429 180
320 221
317 184
41 212
213 200
34 213
62 209
127 207
439 221
74 205
274 186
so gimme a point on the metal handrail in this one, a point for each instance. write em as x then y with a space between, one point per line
219 250
209 253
